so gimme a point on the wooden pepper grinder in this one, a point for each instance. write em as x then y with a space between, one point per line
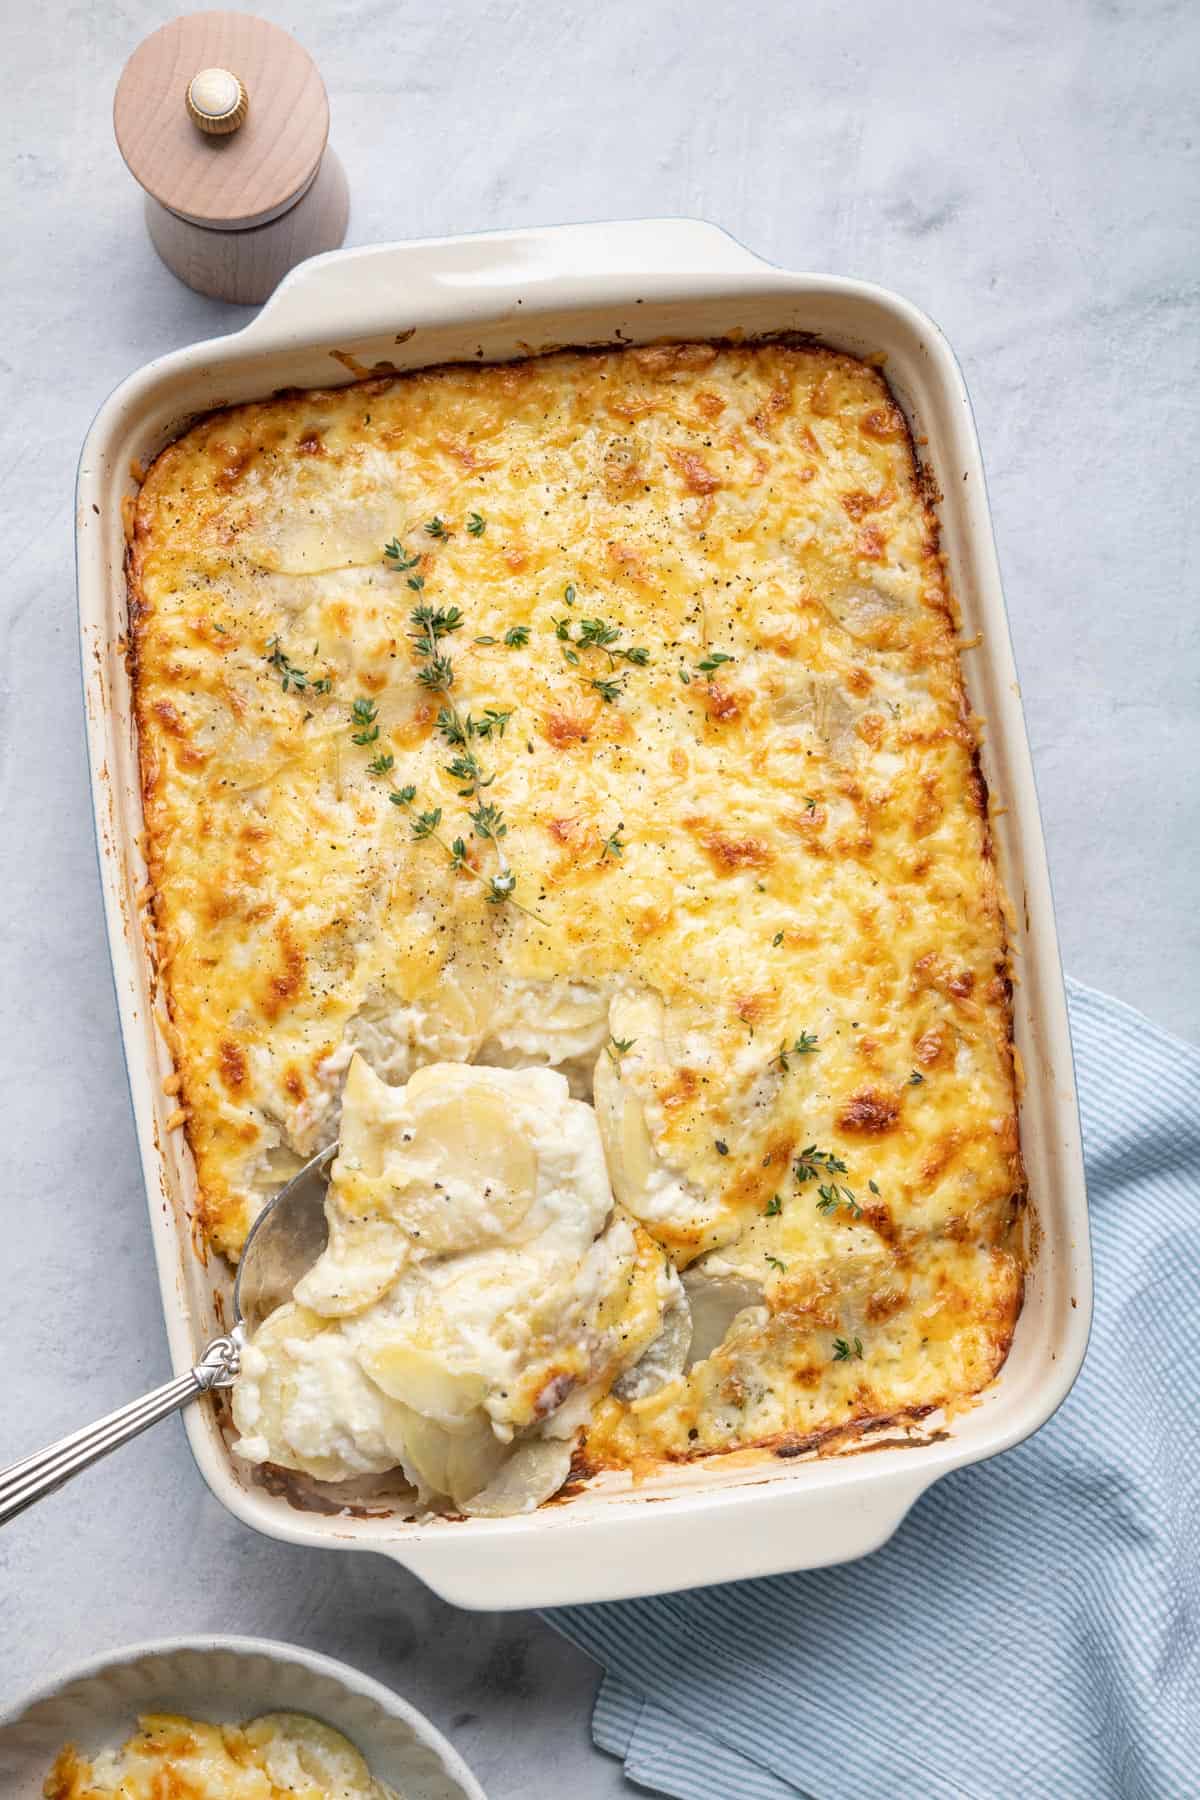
224 121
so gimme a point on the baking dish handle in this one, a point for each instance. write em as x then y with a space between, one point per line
373 287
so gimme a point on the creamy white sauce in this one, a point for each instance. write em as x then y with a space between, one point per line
494 1280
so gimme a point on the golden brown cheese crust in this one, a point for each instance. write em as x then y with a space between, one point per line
788 843
279 1756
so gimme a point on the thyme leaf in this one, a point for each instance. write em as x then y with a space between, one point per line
397 557
811 1160
364 715
804 1045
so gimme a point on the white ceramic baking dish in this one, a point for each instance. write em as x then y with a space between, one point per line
499 296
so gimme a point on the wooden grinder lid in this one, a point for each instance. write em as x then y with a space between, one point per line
255 166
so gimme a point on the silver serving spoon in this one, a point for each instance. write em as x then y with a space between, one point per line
283 1244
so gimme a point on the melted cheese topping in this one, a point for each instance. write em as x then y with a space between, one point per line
768 829
277 1755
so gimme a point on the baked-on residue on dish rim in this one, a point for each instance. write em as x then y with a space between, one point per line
689 280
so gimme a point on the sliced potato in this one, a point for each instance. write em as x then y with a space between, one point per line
665 1356
546 1022
423 1381
459 1463
362 1260
365 1101
625 1135
297 1749
535 1470
455 1014
464 1172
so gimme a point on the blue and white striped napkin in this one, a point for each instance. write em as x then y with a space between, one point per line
1033 1629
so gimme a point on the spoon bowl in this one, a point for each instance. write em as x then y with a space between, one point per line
283 1244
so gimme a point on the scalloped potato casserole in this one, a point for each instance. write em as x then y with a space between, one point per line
173 1758
558 778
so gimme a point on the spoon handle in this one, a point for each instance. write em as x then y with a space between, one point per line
35 1476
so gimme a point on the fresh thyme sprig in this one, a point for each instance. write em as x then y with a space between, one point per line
810 1165
847 1351
293 679
779 1266
599 634
466 768
426 824
364 715
476 524
830 1197
437 675
617 1047
432 625
492 723
811 1160
773 1208
488 822
397 557
613 846
804 1045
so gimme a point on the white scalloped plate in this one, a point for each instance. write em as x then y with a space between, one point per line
96 1704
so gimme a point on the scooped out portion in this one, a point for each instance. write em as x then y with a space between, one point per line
479 1293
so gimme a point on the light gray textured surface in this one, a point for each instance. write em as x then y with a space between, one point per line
1026 173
